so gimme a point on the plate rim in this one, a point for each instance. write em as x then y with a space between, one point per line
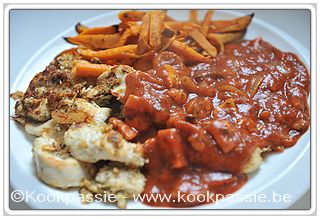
303 55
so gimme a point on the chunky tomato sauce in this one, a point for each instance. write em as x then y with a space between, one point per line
201 122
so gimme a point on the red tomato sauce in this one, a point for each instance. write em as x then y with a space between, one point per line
201 122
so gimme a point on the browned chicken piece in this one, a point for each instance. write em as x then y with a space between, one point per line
43 90
46 89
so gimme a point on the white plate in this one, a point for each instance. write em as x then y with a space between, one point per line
281 174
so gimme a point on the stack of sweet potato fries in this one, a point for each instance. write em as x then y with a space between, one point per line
140 35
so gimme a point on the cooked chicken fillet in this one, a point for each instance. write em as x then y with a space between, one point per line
115 78
37 129
56 168
120 181
47 88
100 94
255 162
90 143
116 179
121 72
54 165
80 110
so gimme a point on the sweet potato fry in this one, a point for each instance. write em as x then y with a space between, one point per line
95 41
132 31
206 22
167 38
156 24
199 38
223 26
119 61
80 28
141 32
87 69
226 37
187 53
125 25
169 18
127 51
126 16
143 41
216 41
181 25
144 62
101 30
71 51
193 16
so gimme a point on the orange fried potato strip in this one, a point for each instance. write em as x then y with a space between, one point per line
223 26
156 24
226 37
187 53
193 16
125 52
101 30
206 22
98 41
143 41
86 69
126 16
199 38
